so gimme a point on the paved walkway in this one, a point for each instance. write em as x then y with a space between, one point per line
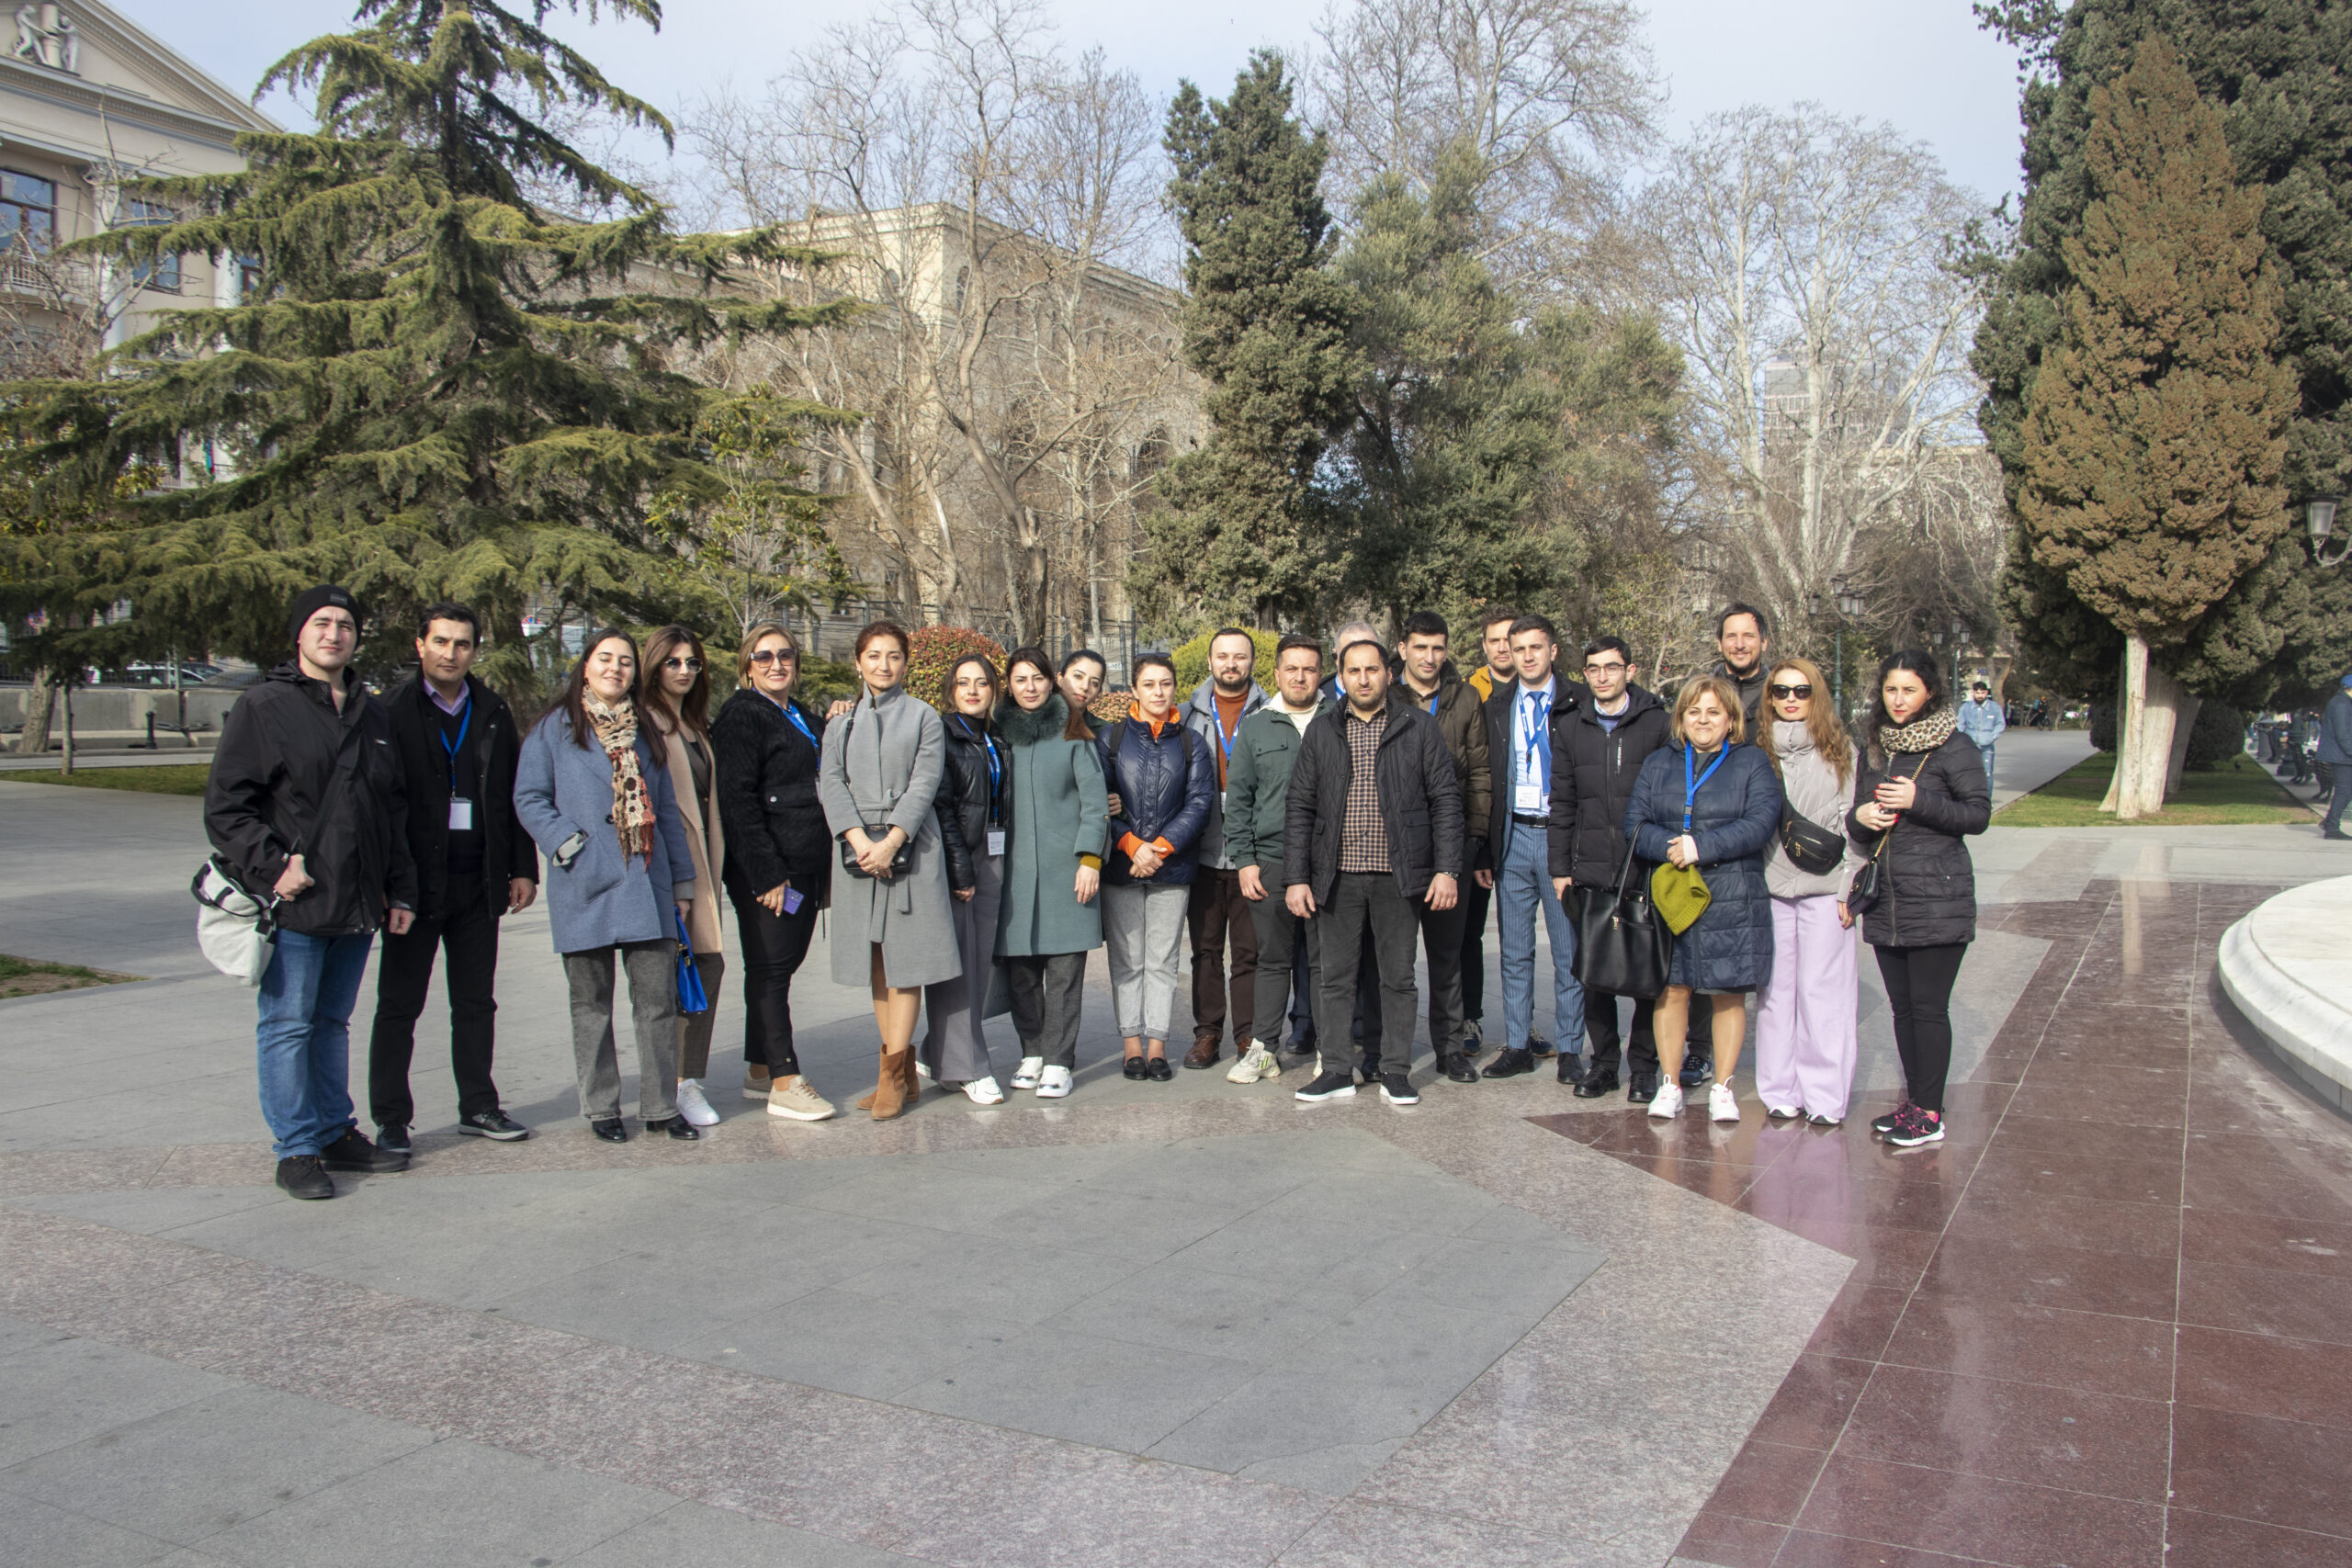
1185 1324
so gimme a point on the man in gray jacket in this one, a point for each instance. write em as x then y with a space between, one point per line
1217 911
2335 751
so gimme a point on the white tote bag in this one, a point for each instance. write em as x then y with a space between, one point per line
232 926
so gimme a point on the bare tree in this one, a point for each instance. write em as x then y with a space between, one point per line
1804 265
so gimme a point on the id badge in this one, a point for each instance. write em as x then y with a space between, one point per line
791 900
996 840
461 814
1529 798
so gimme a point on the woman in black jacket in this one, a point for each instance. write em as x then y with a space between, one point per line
779 856
973 787
1920 792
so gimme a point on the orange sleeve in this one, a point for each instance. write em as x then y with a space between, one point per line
1164 848
1129 844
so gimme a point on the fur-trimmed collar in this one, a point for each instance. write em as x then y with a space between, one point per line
1027 726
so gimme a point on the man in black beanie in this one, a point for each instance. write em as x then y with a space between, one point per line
305 804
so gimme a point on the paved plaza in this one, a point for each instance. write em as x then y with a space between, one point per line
1190 1323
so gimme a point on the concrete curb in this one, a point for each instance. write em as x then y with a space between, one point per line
2309 1021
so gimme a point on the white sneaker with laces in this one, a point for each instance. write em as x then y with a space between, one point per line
921 1069
1025 1075
1253 1064
694 1105
1669 1102
1721 1105
1054 1084
983 1091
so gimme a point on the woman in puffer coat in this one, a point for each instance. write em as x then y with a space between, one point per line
1923 784
1807 1033
1162 776
1733 810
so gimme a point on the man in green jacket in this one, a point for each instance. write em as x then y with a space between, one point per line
1257 791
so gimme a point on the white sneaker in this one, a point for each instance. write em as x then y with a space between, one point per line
983 1091
1054 1084
1025 1075
922 1071
1256 1063
693 1106
1721 1106
1668 1101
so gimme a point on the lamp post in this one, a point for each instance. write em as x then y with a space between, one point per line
1959 652
2320 516
1849 607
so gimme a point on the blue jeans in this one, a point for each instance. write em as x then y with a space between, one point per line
305 1038
1987 749
1522 886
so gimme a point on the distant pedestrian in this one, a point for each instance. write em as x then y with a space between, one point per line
1160 774
1923 783
592 789
1981 720
456 744
305 801
2335 751
676 701
1051 916
974 786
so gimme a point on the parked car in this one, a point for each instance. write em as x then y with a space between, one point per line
191 675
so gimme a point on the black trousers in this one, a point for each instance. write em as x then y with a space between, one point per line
1047 992
774 946
1368 902
1600 1029
2338 798
468 930
1918 993
1441 943
1475 901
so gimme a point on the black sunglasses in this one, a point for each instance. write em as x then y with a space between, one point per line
689 665
774 656
1780 693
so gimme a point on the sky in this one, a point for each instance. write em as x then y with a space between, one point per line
1920 65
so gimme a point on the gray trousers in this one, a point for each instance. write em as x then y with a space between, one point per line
954 1048
1048 990
1143 928
653 1008
1281 936
1362 901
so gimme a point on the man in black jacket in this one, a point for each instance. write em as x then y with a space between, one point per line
455 741
1596 755
1427 680
305 807
1373 826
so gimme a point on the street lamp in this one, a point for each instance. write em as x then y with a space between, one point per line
1959 652
1849 607
2322 518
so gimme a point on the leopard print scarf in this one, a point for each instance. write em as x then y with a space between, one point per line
632 803
1921 734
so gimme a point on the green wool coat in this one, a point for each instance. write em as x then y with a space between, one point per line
1060 810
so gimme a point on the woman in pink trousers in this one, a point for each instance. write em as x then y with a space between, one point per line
1807 1028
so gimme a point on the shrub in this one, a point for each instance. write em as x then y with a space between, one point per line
2102 727
1108 705
935 651
2218 735
1192 661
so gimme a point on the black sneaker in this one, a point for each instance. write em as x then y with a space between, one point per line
301 1176
1698 1071
392 1138
1329 1085
1510 1063
1539 1047
1884 1124
1916 1127
493 1124
1641 1088
1397 1089
354 1152
1571 1067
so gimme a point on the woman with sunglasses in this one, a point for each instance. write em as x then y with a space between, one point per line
1806 1019
779 856
677 703
975 788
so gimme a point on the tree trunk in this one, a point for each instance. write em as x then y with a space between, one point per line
38 700
66 765
2182 726
2153 701
2122 712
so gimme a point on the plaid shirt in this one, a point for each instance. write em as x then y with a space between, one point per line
1363 837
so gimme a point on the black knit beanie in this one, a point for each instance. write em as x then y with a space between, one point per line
326 595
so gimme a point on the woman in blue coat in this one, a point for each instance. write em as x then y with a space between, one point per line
1161 774
593 790
1709 801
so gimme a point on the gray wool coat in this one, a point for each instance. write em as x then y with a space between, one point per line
881 767
1058 812
562 788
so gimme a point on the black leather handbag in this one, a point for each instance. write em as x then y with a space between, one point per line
1622 947
1870 882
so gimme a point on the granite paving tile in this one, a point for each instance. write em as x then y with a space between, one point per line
1722 1540
1767 1481
1361 1534
2291 1304
2259 1374
854 1344
1984 1270
990 1276
1970 1515
65 1391
1814 1401
695 1534
41 1536
2096 1353
2267 1241
1097 1391
2012 1431
2195 1539
2288 1473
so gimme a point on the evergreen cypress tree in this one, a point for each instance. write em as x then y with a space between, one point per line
2155 430
1265 323
444 383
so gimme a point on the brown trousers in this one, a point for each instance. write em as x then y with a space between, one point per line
1218 913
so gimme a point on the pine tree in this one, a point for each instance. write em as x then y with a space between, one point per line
1247 534
2155 430
446 383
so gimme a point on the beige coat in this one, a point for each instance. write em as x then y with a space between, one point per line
710 853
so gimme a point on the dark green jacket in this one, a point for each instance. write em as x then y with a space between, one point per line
1257 787
1055 821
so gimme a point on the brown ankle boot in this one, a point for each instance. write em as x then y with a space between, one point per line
908 1082
892 1096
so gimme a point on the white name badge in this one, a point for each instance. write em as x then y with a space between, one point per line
461 814
996 840
1528 798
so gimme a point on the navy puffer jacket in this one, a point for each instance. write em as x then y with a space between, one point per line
1729 948
1166 783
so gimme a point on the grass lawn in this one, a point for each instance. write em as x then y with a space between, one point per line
171 778
2237 793
30 977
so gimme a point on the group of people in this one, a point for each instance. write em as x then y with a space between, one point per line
976 843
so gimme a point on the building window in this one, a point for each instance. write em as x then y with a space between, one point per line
28 211
248 279
163 273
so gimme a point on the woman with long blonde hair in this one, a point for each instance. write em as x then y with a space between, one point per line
1807 1024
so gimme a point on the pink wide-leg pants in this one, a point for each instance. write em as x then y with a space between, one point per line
1807 1034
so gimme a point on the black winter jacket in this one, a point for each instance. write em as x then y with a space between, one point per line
1729 948
967 805
1567 697
273 788
506 851
767 799
1420 801
1593 772
1462 719
1166 785
1929 880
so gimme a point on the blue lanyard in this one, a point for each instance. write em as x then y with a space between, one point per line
996 776
1538 756
465 722
799 724
1691 787
1223 739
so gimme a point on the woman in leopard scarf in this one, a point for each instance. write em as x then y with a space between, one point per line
1921 791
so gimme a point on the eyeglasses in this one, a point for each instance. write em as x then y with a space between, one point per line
1604 669
689 665
1784 693
774 656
